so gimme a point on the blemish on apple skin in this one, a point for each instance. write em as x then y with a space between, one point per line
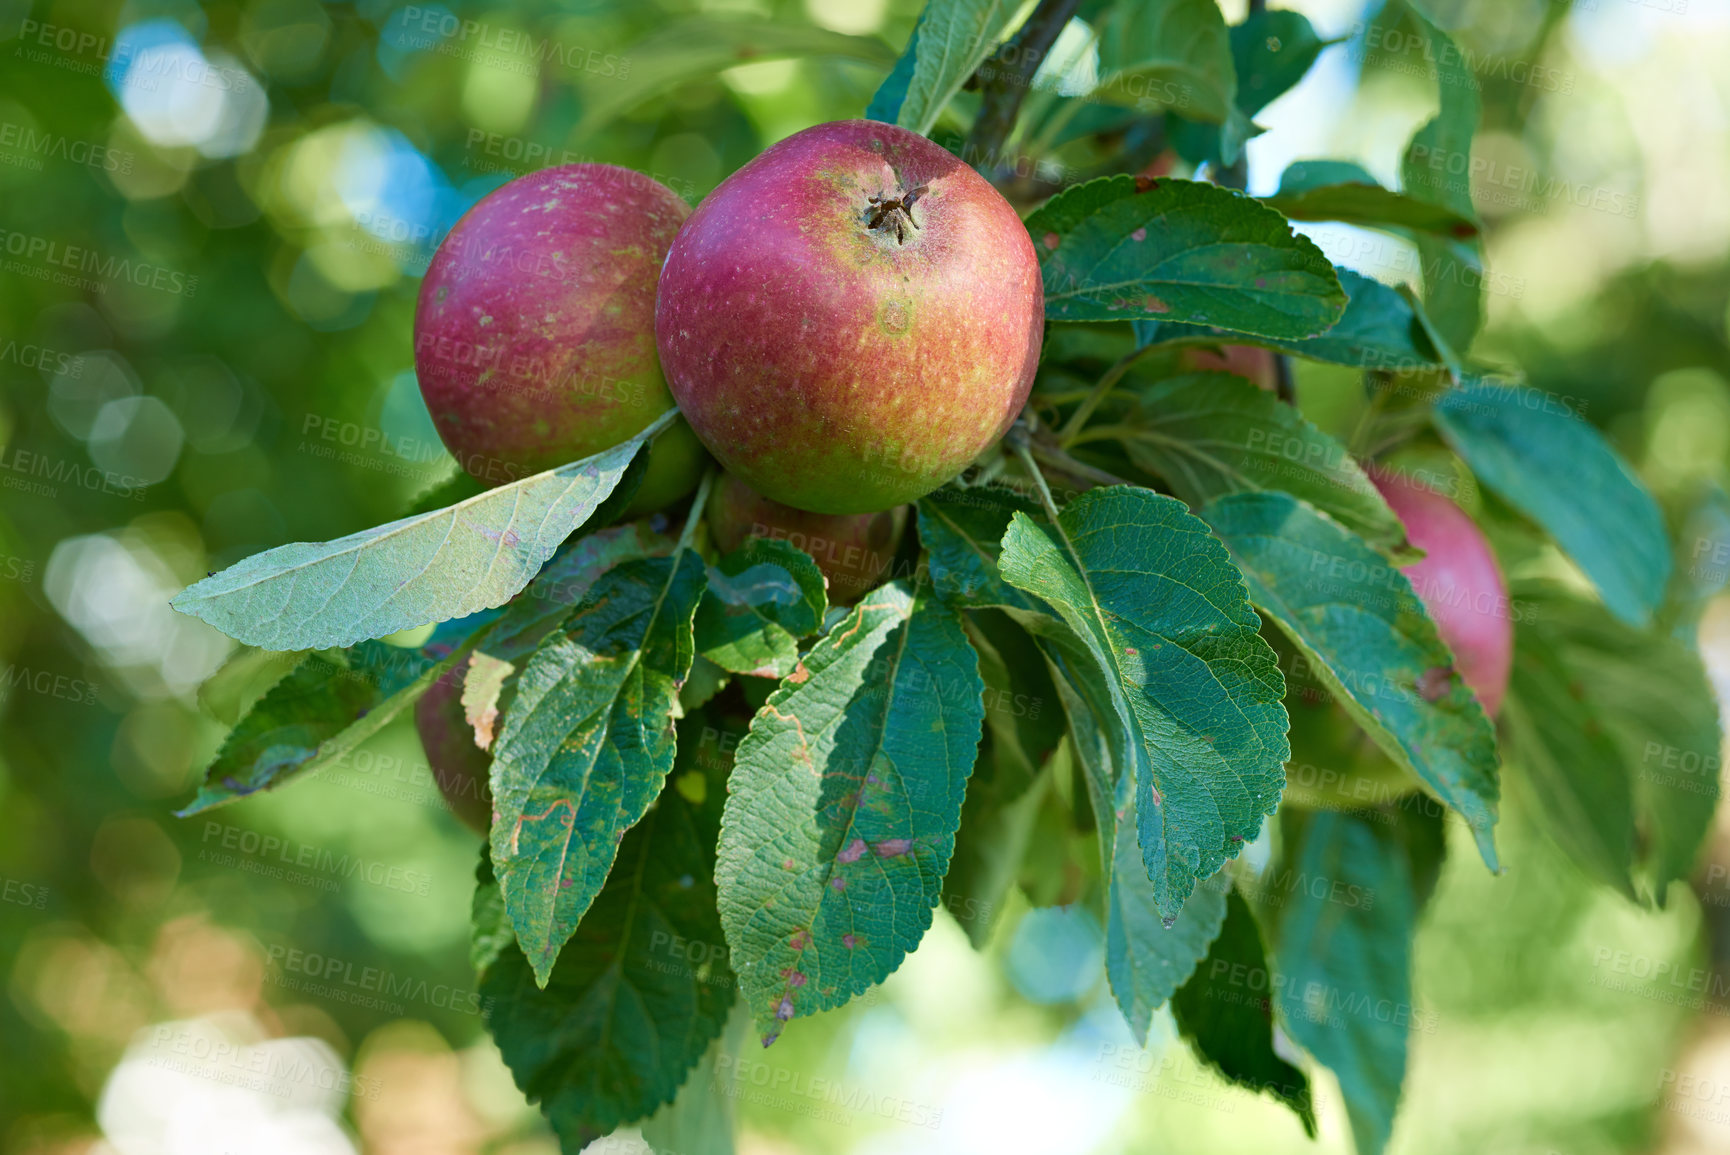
853 853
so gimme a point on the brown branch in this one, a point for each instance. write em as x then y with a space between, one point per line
1004 85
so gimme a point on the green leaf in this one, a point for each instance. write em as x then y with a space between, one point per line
1559 471
1337 190
631 1007
953 38
996 830
490 933
886 102
1370 640
1146 960
699 1120
1582 792
1650 696
243 679
1272 50
1344 967
1210 434
1159 612
845 798
1167 54
324 709
560 587
761 600
1378 330
1021 710
456 561
699 47
1120 248
1436 170
1226 1013
587 743
962 531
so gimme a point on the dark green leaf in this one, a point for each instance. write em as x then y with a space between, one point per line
1192 706
1121 248
1436 169
1225 1010
1272 49
761 600
962 530
1581 790
1343 961
844 803
1173 54
996 830
1210 434
1533 452
456 561
641 989
560 586
1021 710
954 37
324 709
490 933
1369 638
1650 695
587 743
1146 960
886 102
1337 190
1378 331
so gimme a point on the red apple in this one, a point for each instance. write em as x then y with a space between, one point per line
851 318
534 332
1459 583
852 549
461 768
1251 361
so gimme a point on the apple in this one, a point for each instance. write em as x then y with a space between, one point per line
851 318
852 549
461 768
1251 361
534 333
1459 582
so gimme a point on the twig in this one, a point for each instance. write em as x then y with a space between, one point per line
1284 386
697 503
1061 460
1004 87
1112 376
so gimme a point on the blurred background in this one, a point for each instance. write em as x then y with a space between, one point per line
213 220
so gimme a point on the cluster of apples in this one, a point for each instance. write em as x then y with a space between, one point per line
845 324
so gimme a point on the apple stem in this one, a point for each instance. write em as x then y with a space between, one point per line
1112 376
696 514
